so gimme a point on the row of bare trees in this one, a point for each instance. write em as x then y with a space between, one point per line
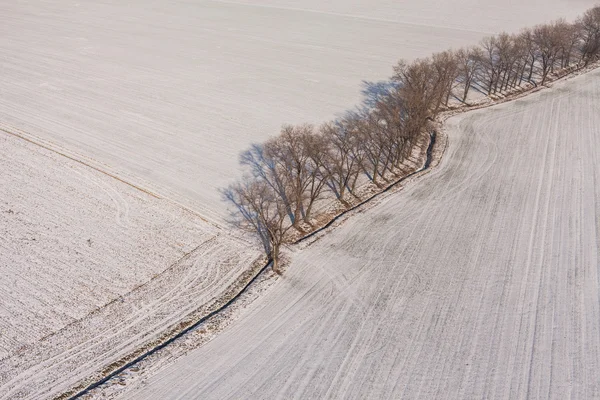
505 61
287 175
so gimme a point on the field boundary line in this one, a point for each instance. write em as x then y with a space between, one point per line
78 158
183 258
77 393
73 158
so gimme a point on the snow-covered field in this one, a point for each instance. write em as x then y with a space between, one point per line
164 95
478 281
91 268
168 93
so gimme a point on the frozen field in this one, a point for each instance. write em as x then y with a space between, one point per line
478 281
168 93
91 268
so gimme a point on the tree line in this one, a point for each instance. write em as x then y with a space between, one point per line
286 175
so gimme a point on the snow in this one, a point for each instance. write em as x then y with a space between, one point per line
164 96
478 281
168 94
91 268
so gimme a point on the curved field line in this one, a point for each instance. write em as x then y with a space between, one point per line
153 350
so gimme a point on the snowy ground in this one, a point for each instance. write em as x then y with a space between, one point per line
91 268
478 281
167 94
164 95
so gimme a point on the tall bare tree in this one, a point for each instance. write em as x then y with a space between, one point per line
446 67
589 29
521 56
374 146
389 116
259 160
505 59
490 64
568 36
420 92
546 39
340 161
533 52
298 156
469 65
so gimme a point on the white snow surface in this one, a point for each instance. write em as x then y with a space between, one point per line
167 93
478 281
91 269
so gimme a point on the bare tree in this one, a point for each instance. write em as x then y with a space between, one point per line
445 65
297 154
373 143
260 211
340 161
490 64
385 106
568 36
419 91
589 29
529 43
388 114
522 58
505 59
316 146
547 41
514 61
259 160
469 65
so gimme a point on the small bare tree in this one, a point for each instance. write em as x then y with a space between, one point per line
258 209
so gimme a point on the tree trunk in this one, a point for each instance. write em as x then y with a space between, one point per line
531 69
466 91
342 190
308 212
275 258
